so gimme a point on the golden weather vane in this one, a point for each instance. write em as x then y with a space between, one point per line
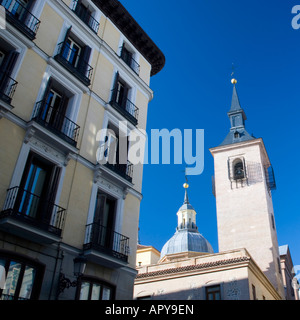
233 80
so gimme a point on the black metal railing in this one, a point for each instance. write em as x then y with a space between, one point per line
8 87
55 121
127 58
270 177
105 240
124 170
74 62
85 16
128 109
21 17
35 210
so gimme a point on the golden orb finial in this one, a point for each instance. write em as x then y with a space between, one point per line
233 81
185 185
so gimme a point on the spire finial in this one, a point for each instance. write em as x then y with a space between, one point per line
233 80
186 197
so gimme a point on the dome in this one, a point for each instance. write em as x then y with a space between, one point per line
184 241
187 237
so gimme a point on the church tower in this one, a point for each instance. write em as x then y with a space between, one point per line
243 182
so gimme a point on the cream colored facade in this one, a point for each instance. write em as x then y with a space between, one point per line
64 87
146 255
233 274
245 211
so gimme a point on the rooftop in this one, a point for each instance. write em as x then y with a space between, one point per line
133 31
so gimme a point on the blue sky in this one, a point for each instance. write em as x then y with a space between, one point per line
201 39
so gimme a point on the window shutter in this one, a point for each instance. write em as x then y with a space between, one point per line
63 49
77 9
67 35
115 88
48 88
84 60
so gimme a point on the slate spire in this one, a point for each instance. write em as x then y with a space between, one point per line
237 119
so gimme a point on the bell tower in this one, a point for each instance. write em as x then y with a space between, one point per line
243 182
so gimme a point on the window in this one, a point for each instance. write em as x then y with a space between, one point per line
236 135
278 264
101 234
121 91
71 52
254 292
20 278
213 292
93 289
8 60
120 99
85 12
52 112
238 169
74 55
127 56
38 187
273 221
113 152
19 12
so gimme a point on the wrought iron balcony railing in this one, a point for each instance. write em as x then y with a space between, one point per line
129 110
34 210
21 17
74 62
130 61
105 240
56 122
124 170
85 16
7 87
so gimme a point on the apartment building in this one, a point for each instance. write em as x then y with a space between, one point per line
69 208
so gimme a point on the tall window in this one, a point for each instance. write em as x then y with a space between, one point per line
93 289
20 279
213 292
254 292
113 152
38 188
120 92
74 55
53 110
8 60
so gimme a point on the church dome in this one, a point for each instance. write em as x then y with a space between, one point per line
184 241
187 238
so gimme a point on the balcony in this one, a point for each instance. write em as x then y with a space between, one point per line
83 14
127 58
56 122
123 170
106 246
7 87
75 63
31 217
125 107
18 15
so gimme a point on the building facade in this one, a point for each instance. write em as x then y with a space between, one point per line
70 72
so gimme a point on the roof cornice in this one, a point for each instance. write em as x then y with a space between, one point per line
133 31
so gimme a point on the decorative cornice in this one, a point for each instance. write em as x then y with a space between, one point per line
193 267
133 31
